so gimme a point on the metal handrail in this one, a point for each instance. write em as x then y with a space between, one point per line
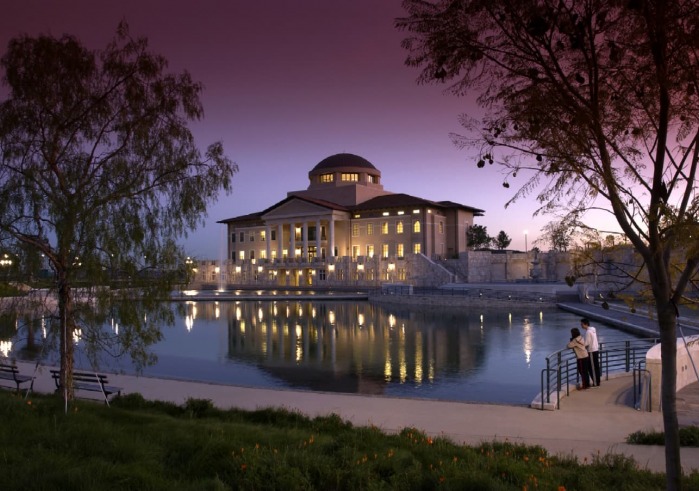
638 391
615 357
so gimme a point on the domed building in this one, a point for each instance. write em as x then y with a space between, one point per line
345 229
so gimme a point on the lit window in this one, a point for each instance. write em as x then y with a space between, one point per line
441 227
416 226
416 211
263 235
385 213
371 179
401 213
241 255
355 230
327 178
370 250
370 229
350 177
263 254
384 228
416 248
400 250
399 227
384 250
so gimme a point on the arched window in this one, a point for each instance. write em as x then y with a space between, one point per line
416 226
399 227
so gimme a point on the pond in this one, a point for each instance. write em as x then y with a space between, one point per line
476 355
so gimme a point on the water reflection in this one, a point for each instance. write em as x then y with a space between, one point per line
348 346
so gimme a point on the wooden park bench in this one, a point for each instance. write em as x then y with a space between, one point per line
89 381
9 371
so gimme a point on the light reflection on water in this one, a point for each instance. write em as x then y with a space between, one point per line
483 355
454 354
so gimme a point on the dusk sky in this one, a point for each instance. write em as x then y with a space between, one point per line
288 83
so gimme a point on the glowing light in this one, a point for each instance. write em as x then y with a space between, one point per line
331 317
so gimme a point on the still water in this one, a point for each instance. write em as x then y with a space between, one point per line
347 346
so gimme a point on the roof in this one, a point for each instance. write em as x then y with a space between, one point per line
341 160
401 199
258 216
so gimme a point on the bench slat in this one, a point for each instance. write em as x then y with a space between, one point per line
11 372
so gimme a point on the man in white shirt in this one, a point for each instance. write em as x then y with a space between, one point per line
593 348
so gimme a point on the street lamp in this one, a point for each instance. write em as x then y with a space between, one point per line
526 250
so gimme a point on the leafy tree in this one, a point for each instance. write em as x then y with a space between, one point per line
595 104
502 241
101 175
477 237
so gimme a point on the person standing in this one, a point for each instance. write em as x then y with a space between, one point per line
592 346
577 343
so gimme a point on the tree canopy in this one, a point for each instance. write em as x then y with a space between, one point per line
100 174
590 104
477 237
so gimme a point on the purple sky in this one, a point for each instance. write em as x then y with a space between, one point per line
288 83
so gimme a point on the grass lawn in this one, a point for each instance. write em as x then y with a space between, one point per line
143 445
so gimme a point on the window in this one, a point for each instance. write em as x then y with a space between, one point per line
274 254
263 254
370 229
384 250
233 256
441 227
349 177
400 250
327 177
355 230
273 234
233 238
252 237
242 236
370 250
241 255
416 226
384 228
263 235
252 254
321 274
355 251
371 179
416 248
399 227
297 233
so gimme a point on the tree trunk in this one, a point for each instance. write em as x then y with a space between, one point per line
65 310
667 319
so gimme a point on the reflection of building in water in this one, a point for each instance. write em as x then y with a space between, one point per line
351 343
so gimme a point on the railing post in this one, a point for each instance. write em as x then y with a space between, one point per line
627 344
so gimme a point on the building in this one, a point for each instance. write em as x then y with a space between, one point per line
345 229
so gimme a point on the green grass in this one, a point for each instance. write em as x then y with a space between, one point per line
689 437
144 445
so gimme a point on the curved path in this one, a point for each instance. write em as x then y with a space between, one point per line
589 423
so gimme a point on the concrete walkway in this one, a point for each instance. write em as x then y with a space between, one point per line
589 423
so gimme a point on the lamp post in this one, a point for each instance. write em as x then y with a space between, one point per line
526 250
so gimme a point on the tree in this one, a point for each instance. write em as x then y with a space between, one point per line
477 237
558 234
101 175
595 104
502 241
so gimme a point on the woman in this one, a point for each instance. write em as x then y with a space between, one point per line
577 343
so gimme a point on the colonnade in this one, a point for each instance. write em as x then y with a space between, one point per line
304 251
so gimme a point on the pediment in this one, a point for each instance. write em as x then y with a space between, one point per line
295 208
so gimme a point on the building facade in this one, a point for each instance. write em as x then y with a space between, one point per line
344 229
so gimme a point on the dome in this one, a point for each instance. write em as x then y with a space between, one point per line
343 161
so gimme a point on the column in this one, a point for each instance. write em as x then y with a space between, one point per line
292 240
268 239
304 236
318 239
331 231
280 240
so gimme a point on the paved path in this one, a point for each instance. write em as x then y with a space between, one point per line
591 422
